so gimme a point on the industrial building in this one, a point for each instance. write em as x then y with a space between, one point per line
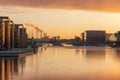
23 38
2 34
6 33
17 36
11 36
20 36
94 37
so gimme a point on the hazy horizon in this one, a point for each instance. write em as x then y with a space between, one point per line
65 18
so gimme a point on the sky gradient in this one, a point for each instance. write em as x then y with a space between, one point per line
66 18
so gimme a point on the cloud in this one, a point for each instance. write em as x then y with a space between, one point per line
94 5
17 10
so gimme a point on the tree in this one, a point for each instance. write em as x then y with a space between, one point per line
117 35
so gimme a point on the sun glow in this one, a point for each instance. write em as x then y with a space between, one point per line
66 23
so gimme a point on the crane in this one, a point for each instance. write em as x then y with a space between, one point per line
36 28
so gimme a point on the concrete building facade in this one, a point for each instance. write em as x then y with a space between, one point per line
17 36
20 36
2 34
7 33
94 37
12 36
23 38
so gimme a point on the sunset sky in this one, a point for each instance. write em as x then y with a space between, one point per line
65 18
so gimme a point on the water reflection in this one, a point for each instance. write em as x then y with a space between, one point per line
9 67
117 54
77 51
95 54
61 63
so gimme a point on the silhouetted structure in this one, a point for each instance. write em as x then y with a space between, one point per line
17 36
117 43
77 41
117 34
110 37
7 33
20 36
94 37
83 37
23 38
12 36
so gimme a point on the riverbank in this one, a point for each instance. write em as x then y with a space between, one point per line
16 52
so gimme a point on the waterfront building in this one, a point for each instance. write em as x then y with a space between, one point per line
6 33
2 34
17 36
12 27
12 36
23 38
8 67
94 37
20 36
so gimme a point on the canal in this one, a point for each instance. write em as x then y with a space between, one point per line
64 63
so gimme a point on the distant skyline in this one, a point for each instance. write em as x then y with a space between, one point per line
65 18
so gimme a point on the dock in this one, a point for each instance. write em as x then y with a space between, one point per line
16 52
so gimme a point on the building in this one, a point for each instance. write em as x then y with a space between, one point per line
20 36
6 33
17 36
2 34
12 27
23 38
94 37
12 36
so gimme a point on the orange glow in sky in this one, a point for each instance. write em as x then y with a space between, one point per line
66 21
